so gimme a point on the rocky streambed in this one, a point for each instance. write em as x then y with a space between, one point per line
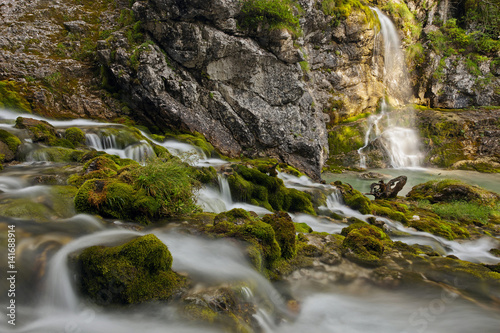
99 246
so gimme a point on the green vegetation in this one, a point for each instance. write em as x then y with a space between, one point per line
170 183
139 271
238 223
141 193
254 186
462 211
339 10
270 15
11 97
75 135
450 190
409 24
284 229
10 140
364 244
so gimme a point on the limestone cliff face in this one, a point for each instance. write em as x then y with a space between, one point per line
246 90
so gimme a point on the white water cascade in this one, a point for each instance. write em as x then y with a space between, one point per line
400 143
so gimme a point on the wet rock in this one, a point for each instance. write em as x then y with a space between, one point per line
9 144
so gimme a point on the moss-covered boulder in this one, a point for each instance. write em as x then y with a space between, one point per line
452 190
8 145
253 186
40 130
99 167
240 224
75 135
284 230
115 199
135 272
363 244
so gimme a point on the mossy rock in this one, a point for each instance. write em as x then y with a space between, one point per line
254 186
206 175
75 135
238 223
63 197
452 190
355 199
432 223
8 145
303 228
40 130
115 199
363 244
11 97
138 271
198 140
284 230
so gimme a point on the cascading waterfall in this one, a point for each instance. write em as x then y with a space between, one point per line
400 143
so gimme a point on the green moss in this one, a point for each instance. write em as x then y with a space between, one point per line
270 15
59 154
11 97
345 138
253 186
239 224
139 271
339 10
41 131
198 140
206 175
284 230
363 244
303 228
449 190
10 140
75 135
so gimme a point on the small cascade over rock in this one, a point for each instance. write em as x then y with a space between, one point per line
390 129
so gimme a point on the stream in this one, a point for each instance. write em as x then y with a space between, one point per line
47 300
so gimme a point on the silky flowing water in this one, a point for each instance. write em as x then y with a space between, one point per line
47 300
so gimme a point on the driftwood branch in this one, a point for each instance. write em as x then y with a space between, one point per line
382 190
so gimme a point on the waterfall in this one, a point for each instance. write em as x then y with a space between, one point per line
400 143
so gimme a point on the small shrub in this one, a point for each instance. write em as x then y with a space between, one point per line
270 14
171 183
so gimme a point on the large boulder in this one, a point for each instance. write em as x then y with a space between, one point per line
135 272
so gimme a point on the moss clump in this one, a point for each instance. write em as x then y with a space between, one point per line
11 97
198 140
170 183
75 135
253 186
303 228
284 230
139 271
10 140
206 175
270 15
239 224
433 224
449 190
363 244
8 146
